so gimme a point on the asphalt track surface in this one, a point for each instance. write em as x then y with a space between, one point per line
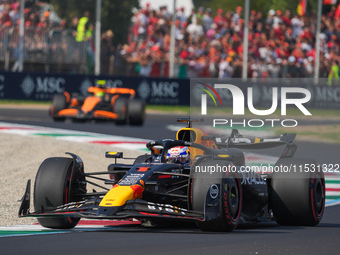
260 239
268 238
155 128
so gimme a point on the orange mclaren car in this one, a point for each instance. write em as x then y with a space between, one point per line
113 104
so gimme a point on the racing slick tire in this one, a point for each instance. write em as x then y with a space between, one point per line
227 197
136 112
53 188
121 109
297 197
59 103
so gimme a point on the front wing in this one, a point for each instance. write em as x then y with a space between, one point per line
88 208
93 115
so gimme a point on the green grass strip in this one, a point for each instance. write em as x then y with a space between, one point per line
26 232
332 181
333 197
30 102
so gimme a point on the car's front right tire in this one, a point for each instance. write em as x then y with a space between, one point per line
227 186
59 103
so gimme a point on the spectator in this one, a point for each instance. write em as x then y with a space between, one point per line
195 31
270 19
199 15
192 17
15 15
286 19
297 25
84 38
142 22
309 65
5 18
119 64
237 66
225 68
84 28
107 51
274 68
237 16
74 26
219 20
207 20
284 69
182 17
211 32
293 71
277 19
333 76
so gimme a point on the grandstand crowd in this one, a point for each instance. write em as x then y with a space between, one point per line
37 15
46 36
209 43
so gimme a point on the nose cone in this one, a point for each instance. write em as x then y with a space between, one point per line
116 198
90 103
108 211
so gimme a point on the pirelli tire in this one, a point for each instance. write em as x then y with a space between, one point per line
297 197
56 184
121 109
59 103
229 197
136 112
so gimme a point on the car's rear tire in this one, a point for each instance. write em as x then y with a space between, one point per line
297 197
121 109
230 196
53 188
59 103
136 112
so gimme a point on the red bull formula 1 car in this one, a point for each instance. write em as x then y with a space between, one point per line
102 103
196 178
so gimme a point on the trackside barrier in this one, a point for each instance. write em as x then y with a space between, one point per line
41 87
156 91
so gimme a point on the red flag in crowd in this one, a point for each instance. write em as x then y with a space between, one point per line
328 2
337 12
301 9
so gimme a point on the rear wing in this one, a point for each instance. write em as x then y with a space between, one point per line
112 91
235 140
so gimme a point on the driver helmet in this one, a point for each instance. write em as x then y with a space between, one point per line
178 155
101 84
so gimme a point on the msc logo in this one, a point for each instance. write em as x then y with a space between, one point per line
238 99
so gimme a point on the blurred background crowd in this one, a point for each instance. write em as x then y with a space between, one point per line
208 42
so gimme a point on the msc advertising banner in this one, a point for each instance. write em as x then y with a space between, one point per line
161 91
35 86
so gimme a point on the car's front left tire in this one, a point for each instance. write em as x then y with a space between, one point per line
57 184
